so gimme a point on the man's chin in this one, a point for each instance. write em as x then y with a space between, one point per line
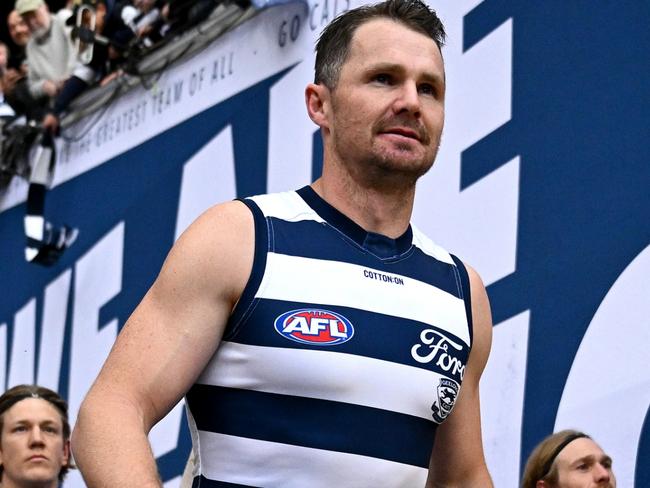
40 34
405 161
40 474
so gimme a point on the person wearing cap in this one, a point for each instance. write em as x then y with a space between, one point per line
50 52
34 438
568 459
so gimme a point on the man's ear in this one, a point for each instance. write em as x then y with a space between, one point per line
66 452
542 484
317 99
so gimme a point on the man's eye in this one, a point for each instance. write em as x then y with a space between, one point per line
20 428
427 89
383 78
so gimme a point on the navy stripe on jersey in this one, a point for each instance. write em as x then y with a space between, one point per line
308 239
203 482
467 295
244 305
383 247
376 335
328 425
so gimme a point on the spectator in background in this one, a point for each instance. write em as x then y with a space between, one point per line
14 80
19 33
6 112
34 438
182 14
568 459
50 52
145 19
110 27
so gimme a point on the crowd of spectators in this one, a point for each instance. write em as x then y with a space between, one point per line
56 55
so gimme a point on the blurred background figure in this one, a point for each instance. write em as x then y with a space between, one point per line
19 33
6 112
34 438
14 79
102 36
568 459
50 52
145 19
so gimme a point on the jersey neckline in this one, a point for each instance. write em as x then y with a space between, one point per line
380 245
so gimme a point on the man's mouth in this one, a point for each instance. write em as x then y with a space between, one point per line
403 131
37 457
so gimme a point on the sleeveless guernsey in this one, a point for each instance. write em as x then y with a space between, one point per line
345 352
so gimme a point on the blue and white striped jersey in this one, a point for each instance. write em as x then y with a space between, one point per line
345 352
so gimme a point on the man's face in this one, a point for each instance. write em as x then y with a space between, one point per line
38 21
18 29
388 106
583 464
32 448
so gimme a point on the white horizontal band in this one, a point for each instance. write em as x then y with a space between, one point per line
325 375
272 465
308 280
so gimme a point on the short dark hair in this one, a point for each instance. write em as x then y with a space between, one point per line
541 464
333 45
21 392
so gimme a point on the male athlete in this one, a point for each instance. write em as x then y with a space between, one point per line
568 459
319 338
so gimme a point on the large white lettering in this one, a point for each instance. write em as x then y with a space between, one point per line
606 392
53 330
502 399
208 178
21 369
98 278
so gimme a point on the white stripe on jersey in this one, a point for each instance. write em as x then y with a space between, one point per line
299 279
274 465
325 375
287 206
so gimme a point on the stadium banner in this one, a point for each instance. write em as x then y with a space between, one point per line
541 184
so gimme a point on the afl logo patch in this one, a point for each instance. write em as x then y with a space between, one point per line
315 327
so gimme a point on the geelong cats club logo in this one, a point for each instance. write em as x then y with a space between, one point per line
315 327
446 394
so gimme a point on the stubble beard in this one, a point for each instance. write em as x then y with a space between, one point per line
391 168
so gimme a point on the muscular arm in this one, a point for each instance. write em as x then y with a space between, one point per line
457 460
163 347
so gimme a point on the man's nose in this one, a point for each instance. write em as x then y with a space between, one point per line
36 437
601 473
408 98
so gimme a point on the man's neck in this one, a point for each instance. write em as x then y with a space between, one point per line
374 209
